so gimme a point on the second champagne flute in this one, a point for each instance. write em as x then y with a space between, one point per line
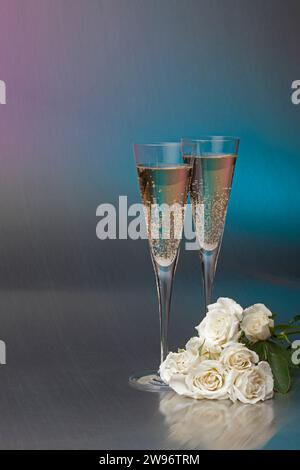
213 169
164 179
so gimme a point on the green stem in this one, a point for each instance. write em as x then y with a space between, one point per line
296 332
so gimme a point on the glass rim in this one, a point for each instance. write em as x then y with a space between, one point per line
210 138
157 144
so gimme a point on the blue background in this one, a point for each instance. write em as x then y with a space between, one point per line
87 79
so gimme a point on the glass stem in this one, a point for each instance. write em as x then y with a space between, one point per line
164 282
209 263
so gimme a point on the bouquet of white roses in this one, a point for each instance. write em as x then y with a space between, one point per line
236 355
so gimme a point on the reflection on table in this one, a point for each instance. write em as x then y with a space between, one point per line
209 424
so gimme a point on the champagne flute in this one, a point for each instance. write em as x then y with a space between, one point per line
164 179
213 169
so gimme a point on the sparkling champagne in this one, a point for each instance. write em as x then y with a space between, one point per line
210 191
164 192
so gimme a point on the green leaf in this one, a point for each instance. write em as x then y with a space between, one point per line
243 339
283 327
277 358
261 350
295 319
294 332
281 337
281 350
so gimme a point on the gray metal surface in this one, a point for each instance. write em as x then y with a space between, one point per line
69 355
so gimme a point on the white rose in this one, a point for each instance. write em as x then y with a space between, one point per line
253 385
198 347
257 322
195 345
176 363
208 379
221 324
237 356
230 305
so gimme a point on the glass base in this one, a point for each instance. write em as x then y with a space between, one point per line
149 381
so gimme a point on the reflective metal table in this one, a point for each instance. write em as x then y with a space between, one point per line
69 355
